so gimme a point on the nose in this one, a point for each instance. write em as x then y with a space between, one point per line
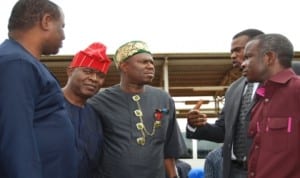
63 35
245 63
93 76
150 65
233 55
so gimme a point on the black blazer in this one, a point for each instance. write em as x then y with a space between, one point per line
296 67
223 129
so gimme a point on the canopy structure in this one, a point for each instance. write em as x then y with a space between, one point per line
188 75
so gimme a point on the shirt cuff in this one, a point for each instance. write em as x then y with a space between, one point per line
190 128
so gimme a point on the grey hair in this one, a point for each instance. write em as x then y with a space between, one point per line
278 44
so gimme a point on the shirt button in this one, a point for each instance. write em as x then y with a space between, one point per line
267 100
256 146
252 174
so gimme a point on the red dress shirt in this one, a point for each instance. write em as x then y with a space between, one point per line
275 129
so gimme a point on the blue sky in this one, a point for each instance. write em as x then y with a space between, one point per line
169 25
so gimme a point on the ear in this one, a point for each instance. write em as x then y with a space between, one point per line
123 67
69 71
271 57
45 22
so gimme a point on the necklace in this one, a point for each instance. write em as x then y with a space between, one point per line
141 126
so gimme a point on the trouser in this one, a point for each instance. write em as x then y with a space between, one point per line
238 170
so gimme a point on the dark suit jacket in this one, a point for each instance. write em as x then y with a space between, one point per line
224 127
296 67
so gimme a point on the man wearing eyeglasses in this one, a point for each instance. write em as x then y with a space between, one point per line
86 75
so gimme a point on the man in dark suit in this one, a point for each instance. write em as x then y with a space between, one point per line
226 128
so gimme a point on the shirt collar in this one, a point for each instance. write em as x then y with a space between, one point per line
282 76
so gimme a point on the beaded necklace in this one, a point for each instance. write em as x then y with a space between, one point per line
141 126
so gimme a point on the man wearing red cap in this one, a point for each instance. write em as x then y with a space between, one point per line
86 75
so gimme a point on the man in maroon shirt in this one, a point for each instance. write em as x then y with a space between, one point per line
275 119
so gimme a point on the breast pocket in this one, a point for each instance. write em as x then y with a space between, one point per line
278 131
161 132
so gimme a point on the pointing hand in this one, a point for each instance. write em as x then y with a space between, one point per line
195 118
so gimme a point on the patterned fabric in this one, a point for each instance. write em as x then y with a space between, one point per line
239 146
213 164
129 49
94 56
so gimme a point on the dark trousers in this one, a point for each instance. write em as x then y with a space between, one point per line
238 170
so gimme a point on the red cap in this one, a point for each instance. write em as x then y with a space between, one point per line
93 57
